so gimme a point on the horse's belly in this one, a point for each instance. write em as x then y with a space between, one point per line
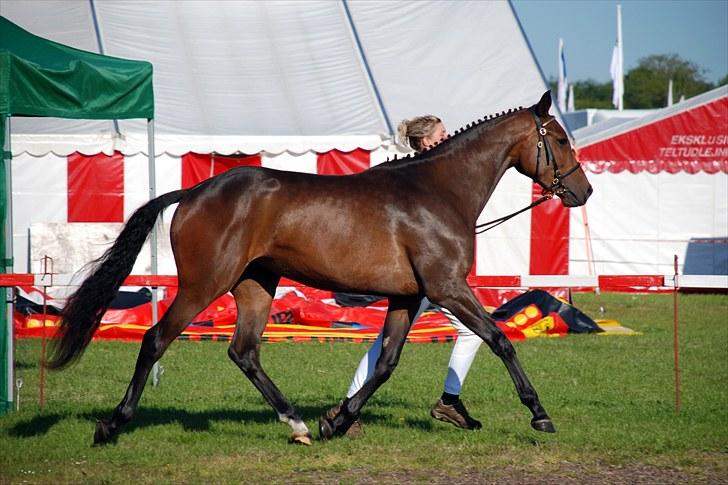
351 270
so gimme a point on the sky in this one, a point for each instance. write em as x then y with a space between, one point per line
696 30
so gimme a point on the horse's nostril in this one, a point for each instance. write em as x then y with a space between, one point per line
589 190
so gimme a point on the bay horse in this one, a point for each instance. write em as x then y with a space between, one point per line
403 230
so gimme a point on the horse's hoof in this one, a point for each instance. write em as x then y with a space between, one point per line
103 432
326 431
545 425
301 439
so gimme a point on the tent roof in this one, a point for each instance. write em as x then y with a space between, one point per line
686 137
292 68
603 130
39 77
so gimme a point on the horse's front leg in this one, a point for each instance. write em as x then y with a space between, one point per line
464 305
396 326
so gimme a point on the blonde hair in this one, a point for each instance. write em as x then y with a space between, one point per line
411 132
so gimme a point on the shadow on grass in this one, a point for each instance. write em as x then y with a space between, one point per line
36 426
19 365
196 421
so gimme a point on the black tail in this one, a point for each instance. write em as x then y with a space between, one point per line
83 311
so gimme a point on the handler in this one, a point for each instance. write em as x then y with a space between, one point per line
419 134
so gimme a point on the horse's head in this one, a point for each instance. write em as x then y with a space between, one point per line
547 157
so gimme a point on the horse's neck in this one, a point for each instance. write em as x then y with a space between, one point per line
467 173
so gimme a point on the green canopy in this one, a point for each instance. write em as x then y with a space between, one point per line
39 77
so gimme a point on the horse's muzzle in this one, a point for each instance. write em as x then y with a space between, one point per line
570 199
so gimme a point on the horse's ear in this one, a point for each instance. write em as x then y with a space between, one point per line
542 107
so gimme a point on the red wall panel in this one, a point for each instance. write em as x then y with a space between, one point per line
549 236
96 188
197 167
342 163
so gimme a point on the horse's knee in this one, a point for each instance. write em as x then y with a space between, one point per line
151 345
502 347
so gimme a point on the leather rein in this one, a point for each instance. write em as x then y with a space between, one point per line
557 186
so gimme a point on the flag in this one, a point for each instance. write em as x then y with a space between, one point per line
616 74
616 69
561 94
571 103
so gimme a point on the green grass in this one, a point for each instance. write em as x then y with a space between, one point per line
611 399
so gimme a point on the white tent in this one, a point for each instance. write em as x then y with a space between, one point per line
300 67
294 83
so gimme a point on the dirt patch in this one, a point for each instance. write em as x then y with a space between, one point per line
563 473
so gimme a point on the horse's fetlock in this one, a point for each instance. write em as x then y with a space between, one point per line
233 355
122 415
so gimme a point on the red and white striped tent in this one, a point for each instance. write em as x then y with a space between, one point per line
659 181
317 87
313 87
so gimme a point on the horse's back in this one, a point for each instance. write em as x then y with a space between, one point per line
341 232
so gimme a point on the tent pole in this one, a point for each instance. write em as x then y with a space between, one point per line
369 75
156 368
7 395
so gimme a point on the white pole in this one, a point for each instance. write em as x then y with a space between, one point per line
669 93
10 331
156 368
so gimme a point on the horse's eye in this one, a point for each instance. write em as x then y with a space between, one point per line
563 141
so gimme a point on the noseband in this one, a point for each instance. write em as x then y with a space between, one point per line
557 186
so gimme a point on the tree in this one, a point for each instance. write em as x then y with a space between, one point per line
588 94
646 85
723 81
592 94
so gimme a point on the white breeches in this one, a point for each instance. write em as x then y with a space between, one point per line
463 353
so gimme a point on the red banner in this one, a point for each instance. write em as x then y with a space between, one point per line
691 141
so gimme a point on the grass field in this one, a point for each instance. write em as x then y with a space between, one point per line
611 399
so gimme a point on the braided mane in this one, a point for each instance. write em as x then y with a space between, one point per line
486 120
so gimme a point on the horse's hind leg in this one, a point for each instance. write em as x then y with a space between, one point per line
254 296
463 304
156 340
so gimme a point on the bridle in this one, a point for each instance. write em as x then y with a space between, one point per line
557 186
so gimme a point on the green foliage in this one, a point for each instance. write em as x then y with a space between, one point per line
611 399
592 94
646 85
723 81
